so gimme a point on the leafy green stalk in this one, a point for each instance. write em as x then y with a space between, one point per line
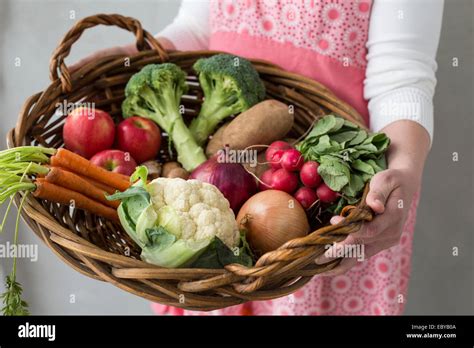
13 304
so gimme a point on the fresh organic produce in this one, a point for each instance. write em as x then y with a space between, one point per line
155 92
252 126
235 183
74 163
230 85
325 194
168 167
275 152
154 169
270 219
181 223
60 177
178 173
309 174
292 160
52 183
265 182
59 194
115 161
216 142
348 156
87 131
64 177
306 197
140 137
284 180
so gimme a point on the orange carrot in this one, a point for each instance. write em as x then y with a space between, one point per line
79 165
76 183
104 187
99 185
58 194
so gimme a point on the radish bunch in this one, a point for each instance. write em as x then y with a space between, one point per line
290 173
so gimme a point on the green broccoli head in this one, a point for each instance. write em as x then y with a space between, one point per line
230 85
155 92
156 88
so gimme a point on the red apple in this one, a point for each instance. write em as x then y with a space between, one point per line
140 137
115 161
88 131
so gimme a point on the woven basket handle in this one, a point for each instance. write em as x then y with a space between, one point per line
58 68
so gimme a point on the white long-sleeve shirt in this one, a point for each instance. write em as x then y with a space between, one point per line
402 43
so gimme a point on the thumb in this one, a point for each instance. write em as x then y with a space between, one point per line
381 185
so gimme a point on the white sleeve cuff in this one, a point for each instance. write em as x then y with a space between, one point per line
185 36
190 29
402 104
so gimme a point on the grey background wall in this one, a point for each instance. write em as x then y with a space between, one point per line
441 283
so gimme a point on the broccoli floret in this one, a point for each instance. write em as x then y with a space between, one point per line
155 92
230 85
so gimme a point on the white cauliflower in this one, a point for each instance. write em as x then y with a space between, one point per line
193 211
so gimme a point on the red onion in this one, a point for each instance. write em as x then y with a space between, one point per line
235 183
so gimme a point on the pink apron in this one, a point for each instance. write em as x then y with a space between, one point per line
324 40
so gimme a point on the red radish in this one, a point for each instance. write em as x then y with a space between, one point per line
279 146
266 180
305 196
284 180
325 194
275 160
292 160
309 174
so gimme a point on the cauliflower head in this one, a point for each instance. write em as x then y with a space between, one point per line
193 211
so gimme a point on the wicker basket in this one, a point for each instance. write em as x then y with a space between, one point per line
101 249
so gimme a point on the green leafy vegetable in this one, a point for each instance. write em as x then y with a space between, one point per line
348 156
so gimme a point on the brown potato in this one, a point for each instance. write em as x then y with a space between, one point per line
216 143
262 124
168 167
178 173
154 169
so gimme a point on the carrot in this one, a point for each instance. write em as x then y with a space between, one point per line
99 185
103 187
58 194
79 165
74 182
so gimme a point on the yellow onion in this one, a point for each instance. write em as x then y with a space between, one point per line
270 219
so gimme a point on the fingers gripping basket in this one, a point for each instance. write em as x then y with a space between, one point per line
101 249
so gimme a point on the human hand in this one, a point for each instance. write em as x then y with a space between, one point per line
390 196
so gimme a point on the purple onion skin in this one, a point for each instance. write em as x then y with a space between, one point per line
231 179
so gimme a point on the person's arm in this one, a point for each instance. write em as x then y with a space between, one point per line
400 83
188 31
